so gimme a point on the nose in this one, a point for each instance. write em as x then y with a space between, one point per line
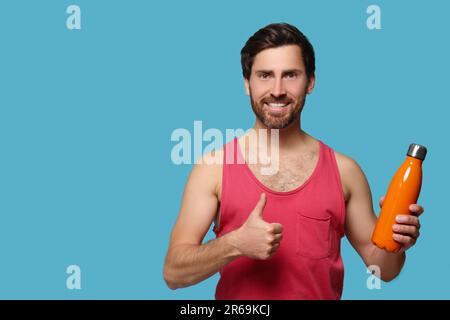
278 88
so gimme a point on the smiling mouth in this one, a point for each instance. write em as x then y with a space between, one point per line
276 106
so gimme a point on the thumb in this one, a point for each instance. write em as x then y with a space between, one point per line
381 201
258 210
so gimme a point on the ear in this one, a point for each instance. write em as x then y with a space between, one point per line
311 83
247 86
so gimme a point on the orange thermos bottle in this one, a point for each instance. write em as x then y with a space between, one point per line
403 191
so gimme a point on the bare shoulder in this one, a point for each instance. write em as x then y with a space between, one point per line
209 169
199 202
349 171
345 162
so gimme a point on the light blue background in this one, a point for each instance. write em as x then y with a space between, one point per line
86 117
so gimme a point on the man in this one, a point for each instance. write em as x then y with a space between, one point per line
278 236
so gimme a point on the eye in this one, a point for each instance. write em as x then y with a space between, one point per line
264 76
291 75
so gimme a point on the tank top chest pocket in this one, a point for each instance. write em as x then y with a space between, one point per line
313 235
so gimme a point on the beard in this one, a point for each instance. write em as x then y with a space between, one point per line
277 120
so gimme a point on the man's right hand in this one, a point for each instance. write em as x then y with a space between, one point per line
257 238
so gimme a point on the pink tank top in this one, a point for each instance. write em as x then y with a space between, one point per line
308 263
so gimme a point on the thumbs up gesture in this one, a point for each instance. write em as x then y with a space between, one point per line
257 238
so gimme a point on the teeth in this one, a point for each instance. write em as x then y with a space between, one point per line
277 105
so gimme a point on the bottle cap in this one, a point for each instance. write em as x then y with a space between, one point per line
417 151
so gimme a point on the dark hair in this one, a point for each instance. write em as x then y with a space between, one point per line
276 35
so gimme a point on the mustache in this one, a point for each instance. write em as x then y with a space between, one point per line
283 100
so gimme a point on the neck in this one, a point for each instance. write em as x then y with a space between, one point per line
289 136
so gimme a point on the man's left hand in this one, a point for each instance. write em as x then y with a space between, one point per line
406 229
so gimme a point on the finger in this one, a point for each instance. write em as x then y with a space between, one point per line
381 201
271 240
258 210
277 238
408 230
404 240
274 248
408 219
276 228
416 209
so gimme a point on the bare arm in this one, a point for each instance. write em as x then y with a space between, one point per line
361 220
195 263
188 261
